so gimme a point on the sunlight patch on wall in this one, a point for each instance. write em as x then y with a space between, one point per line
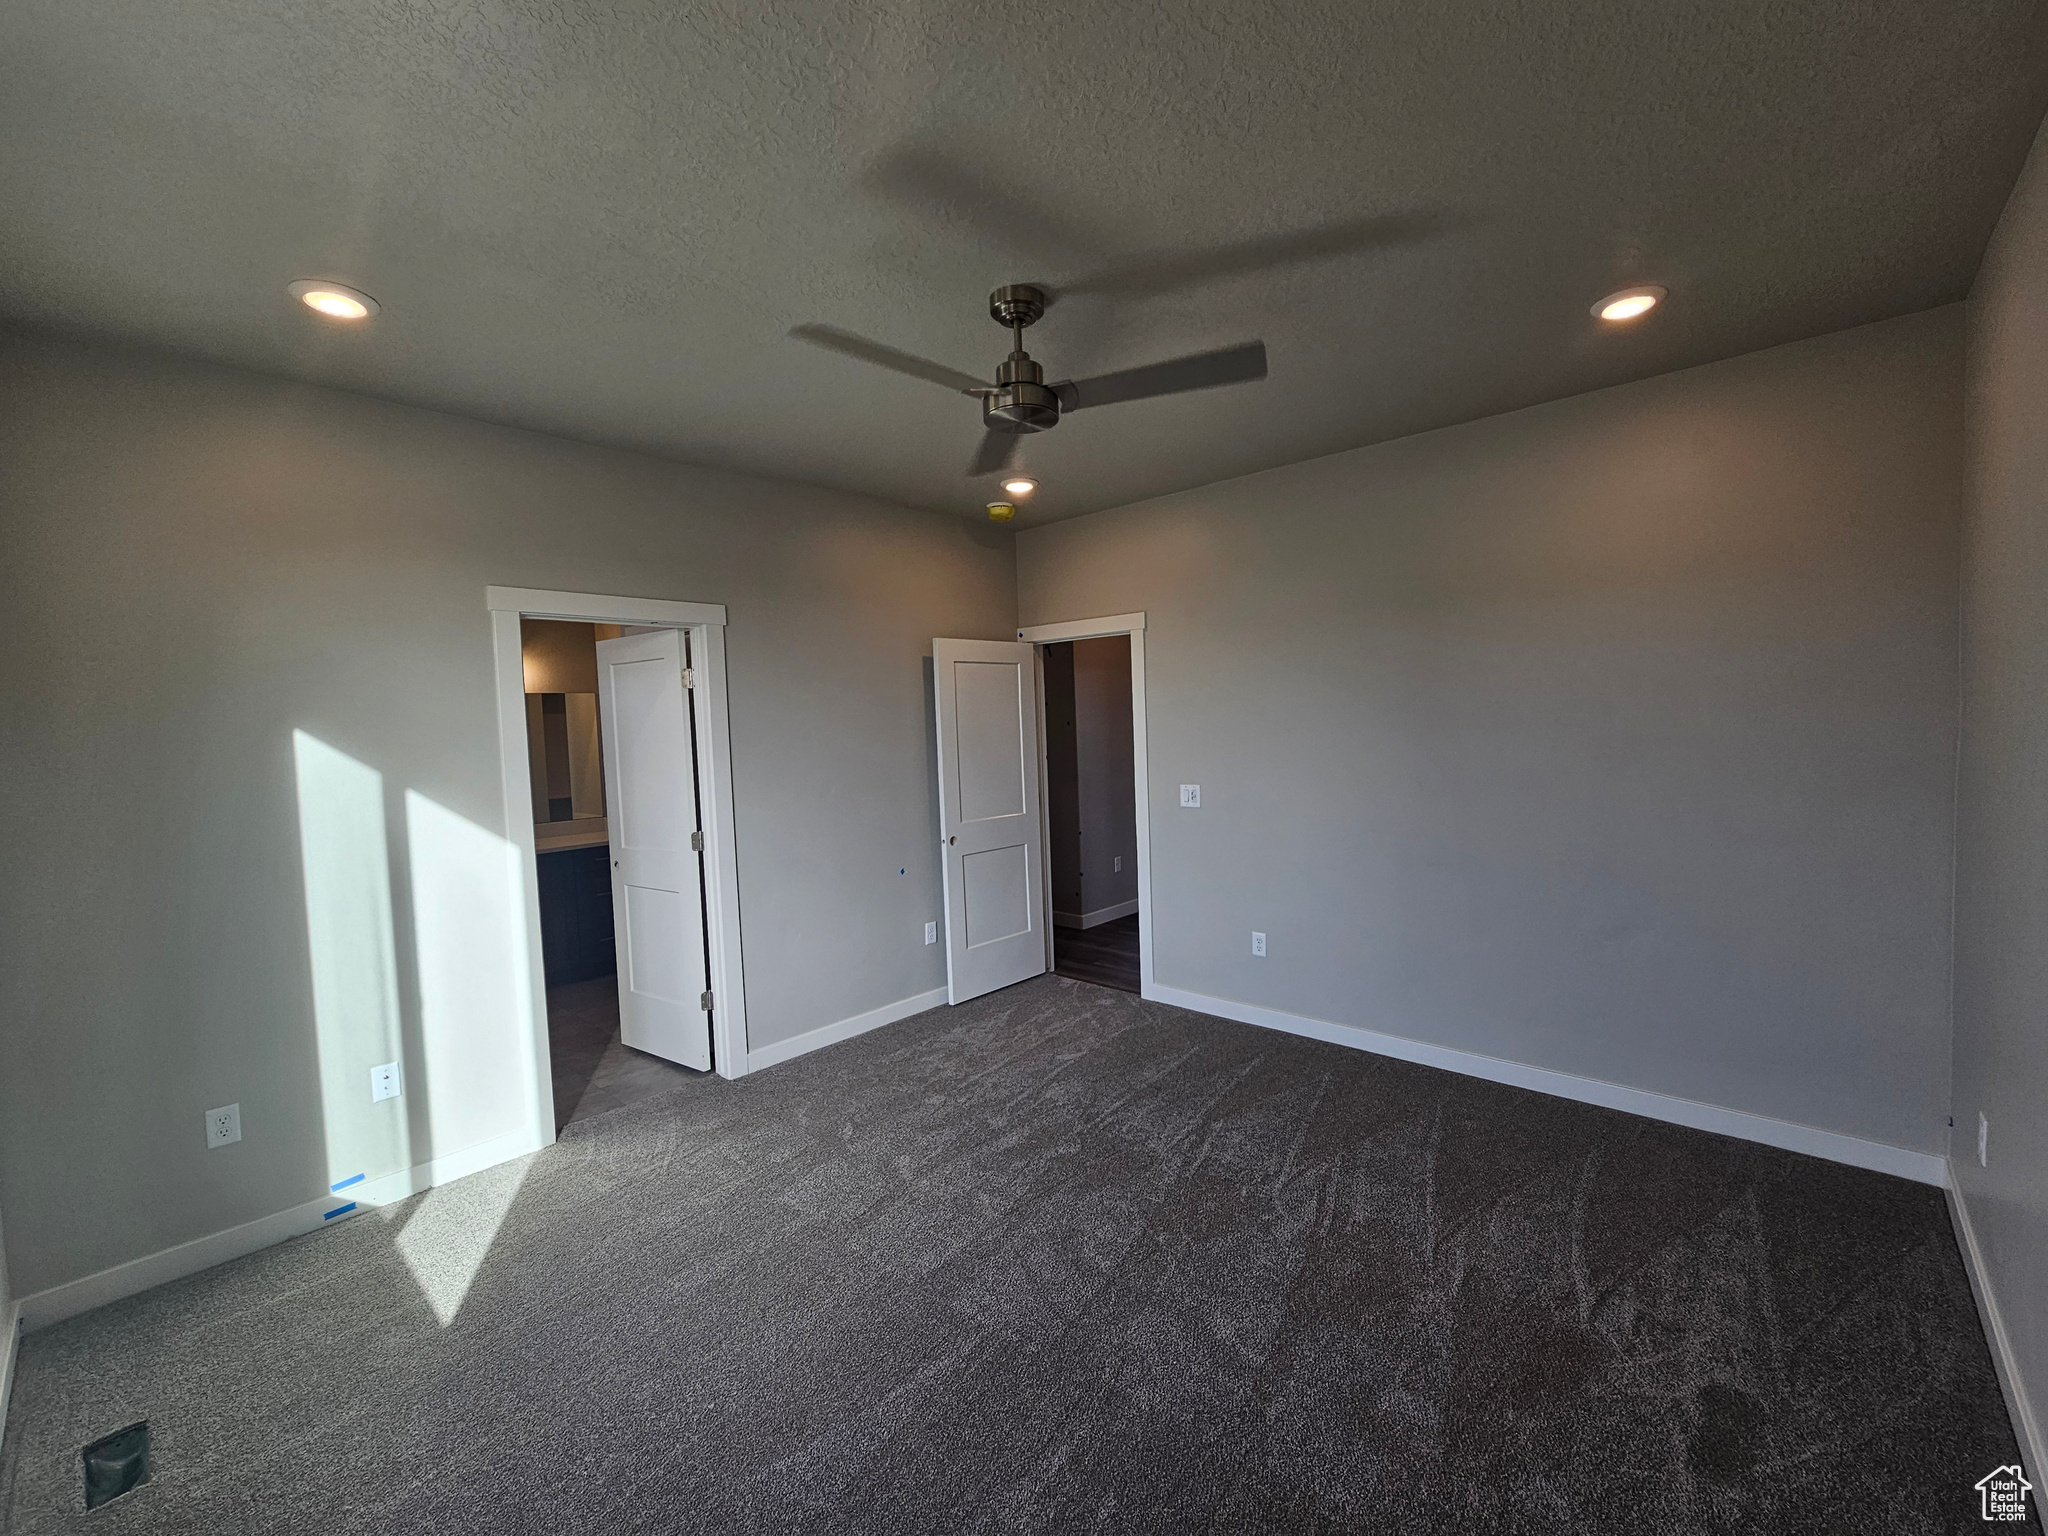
476 1016
354 963
450 1232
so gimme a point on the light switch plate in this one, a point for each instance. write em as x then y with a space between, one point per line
224 1125
386 1082
1191 796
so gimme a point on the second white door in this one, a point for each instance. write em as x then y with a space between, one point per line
657 871
989 822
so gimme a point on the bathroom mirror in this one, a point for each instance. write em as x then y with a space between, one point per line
566 756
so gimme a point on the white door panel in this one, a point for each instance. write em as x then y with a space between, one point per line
660 969
651 735
987 703
995 887
657 877
989 820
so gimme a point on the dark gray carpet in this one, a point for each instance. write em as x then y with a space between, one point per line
1062 1260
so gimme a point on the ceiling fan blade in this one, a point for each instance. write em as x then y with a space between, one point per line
832 339
997 451
925 178
1163 272
1201 370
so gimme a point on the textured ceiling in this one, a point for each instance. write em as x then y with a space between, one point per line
602 219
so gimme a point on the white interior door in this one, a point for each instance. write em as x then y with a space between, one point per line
657 870
989 820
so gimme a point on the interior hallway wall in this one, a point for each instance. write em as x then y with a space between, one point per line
1614 736
2001 997
201 562
1091 794
1107 802
1062 784
559 657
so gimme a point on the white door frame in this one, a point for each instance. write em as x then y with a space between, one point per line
1132 624
706 625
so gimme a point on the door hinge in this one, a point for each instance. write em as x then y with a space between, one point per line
689 677
704 1001
696 842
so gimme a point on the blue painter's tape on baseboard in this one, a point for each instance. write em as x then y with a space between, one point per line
339 1210
354 1178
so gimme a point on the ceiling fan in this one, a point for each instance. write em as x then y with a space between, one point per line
1020 401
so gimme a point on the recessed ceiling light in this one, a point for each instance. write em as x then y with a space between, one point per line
334 300
1630 303
1023 485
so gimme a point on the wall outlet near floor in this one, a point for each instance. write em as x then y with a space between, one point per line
1191 797
224 1125
1983 1140
386 1082
1118 861
1258 944
931 933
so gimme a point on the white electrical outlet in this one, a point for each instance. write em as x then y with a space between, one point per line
1191 797
931 933
1983 1140
1258 944
1119 863
224 1125
386 1082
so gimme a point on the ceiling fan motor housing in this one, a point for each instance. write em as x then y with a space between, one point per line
1020 401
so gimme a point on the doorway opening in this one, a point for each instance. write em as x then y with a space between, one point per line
1091 810
618 794
592 1066
998 820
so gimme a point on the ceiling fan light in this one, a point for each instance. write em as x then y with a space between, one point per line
1629 303
1019 485
337 301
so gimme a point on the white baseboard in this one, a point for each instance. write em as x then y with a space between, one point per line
444 1170
2028 1427
10 1338
154 1269
1098 916
845 1029
1921 1167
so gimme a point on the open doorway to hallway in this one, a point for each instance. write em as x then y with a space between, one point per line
593 1068
1091 811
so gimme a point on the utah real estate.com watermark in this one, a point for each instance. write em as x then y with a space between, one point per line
2004 1491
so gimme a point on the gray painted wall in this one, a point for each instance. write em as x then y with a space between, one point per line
1615 736
2001 1000
200 562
